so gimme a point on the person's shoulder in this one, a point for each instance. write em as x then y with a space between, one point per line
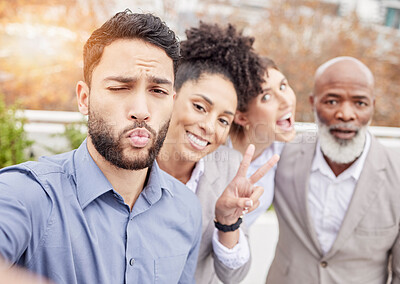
30 170
22 185
390 154
18 175
223 155
36 173
60 163
222 164
302 142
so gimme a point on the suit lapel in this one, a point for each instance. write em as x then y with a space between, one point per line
302 169
206 194
363 195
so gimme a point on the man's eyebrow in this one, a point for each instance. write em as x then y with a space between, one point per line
229 112
152 79
354 97
120 79
361 97
159 80
332 95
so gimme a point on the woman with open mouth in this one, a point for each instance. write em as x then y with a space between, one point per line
218 66
265 120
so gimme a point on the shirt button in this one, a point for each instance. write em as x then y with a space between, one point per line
324 264
131 261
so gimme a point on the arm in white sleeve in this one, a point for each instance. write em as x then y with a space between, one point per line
235 257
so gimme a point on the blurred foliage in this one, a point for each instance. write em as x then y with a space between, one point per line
13 138
41 45
75 133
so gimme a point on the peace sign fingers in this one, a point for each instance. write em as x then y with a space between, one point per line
244 165
257 192
264 169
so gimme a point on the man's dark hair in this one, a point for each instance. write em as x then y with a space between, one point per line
128 25
211 49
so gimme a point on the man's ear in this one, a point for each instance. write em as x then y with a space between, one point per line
311 100
241 118
82 95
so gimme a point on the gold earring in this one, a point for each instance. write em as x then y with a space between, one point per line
247 127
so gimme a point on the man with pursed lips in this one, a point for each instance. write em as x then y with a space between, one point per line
106 213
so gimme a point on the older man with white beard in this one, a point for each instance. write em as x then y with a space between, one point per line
338 200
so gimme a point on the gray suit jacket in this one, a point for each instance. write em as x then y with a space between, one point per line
220 168
369 233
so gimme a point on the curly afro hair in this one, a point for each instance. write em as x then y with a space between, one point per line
211 49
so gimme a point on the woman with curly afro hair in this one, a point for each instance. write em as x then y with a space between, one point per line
267 121
218 66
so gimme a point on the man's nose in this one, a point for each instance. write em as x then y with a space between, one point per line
138 107
346 112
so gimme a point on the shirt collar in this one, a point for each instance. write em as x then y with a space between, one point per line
156 182
229 142
91 182
197 172
354 171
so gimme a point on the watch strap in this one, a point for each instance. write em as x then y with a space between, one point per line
228 228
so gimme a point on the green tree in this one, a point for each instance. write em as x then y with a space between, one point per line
13 138
75 134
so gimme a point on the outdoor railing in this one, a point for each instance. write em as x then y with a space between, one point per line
45 127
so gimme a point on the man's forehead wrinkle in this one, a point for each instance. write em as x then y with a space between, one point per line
148 65
145 62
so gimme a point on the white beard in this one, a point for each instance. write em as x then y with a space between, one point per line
341 151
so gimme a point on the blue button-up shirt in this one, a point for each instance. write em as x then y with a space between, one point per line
61 218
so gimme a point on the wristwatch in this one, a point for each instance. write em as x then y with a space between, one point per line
228 228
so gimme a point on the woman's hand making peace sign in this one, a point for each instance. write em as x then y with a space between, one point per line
241 195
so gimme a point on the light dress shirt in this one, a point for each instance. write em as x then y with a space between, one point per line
61 218
232 258
329 196
267 181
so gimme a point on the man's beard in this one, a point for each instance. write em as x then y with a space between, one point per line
111 148
341 151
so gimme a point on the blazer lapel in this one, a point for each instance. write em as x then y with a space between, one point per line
364 193
207 196
302 168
